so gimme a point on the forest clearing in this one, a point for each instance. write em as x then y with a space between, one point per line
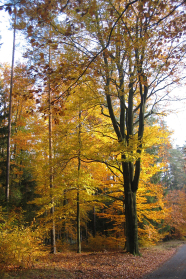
69 265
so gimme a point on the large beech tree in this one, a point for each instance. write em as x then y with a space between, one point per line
141 46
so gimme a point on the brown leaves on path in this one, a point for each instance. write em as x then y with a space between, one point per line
96 265
109 264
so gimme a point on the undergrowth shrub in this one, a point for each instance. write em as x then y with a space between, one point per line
102 242
63 247
19 245
149 235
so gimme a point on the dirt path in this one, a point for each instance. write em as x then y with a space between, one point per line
173 268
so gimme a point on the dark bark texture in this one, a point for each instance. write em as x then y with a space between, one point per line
124 129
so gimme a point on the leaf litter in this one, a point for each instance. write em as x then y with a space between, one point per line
95 265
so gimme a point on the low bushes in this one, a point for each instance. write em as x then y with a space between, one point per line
19 245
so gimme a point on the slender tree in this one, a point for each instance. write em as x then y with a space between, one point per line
53 234
78 188
10 112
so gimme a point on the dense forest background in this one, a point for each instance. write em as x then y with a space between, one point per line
65 144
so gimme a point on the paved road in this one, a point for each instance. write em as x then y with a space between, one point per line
173 268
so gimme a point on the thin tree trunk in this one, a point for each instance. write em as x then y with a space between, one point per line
64 237
9 118
53 236
78 194
94 221
78 225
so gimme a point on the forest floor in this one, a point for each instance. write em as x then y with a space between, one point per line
97 264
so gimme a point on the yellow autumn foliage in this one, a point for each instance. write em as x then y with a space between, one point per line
19 245
151 204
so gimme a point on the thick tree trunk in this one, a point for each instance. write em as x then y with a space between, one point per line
131 224
131 228
124 130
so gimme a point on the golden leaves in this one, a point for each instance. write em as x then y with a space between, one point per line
20 245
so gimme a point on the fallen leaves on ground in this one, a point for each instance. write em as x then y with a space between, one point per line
96 265
111 264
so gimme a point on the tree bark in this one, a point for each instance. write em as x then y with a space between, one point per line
131 223
78 225
130 173
126 122
131 228
9 118
78 194
94 222
53 234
